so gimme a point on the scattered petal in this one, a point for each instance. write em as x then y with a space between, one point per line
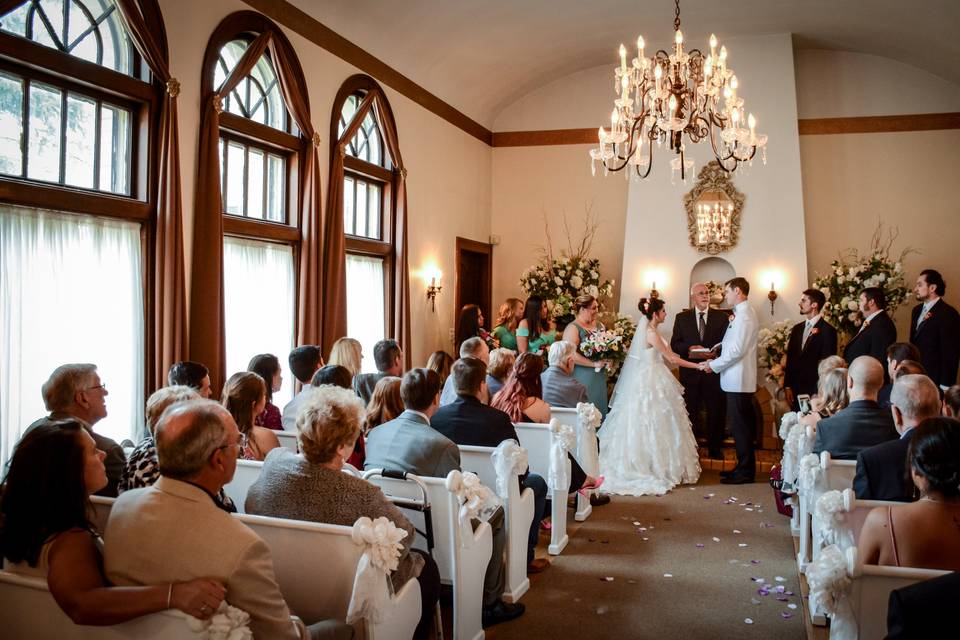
733 561
754 562
668 575
711 494
716 539
646 538
631 581
602 610
737 531
781 589
786 614
748 620
748 509
742 544
792 606
788 593
637 523
780 579
783 598
754 601
607 579
700 545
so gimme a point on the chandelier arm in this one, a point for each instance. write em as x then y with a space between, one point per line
649 163
721 159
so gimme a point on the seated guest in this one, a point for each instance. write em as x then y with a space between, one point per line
304 362
141 468
146 541
75 391
471 348
882 469
312 486
500 366
508 318
244 396
440 361
533 332
267 366
826 365
332 374
832 392
469 421
897 353
951 402
922 534
46 532
388 356
338 376
560 388
385 404
407 443
347 352
863 423
190 374
469 324
924 609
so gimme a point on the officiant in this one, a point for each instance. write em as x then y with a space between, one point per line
695 332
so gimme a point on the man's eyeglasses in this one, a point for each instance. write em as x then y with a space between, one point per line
99 386
241 443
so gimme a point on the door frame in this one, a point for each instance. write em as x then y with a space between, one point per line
474 246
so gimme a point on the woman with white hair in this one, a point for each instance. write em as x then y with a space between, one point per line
312 486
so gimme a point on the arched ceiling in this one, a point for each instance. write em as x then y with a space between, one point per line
482 55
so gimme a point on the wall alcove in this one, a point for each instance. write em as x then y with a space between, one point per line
711 269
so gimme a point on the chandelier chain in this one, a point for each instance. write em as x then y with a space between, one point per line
676 20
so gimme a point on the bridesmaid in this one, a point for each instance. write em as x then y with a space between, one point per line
534 334
468 324
585 322
508 317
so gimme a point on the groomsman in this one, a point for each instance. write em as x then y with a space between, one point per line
877 331
935 329
810 342
701 327
737 366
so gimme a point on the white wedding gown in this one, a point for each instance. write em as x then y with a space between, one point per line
647 445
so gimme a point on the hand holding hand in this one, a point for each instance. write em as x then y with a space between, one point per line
199 598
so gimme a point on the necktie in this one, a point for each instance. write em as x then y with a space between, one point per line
701 325
923 314
806 334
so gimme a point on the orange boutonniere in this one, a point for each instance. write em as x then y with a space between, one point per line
814 331
866 323
927 316
731 317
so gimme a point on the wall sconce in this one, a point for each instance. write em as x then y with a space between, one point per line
654 294
772 296
433 289
652 276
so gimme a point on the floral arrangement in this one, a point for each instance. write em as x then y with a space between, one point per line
851 273
772 349
489 338
715 289
560 279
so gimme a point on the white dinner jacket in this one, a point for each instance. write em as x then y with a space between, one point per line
737 364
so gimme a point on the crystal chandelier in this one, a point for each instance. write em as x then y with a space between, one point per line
673 97
713 223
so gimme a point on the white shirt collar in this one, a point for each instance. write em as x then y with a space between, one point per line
873 315
421 414
929 304
740 306
814 320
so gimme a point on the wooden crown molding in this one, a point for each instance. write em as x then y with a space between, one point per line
879 124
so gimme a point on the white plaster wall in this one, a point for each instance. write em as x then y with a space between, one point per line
449 171
772 237
836 84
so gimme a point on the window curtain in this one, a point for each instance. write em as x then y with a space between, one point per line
365 298
259 291
334 258
207 339
168 340
70 291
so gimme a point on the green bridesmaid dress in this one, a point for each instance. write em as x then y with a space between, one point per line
507 338
595 381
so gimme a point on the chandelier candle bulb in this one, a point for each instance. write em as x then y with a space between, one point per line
640 47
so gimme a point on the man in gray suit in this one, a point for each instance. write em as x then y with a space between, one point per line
471 348
388 356
146 540
560 388
408 443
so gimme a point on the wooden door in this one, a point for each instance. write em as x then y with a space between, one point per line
474 278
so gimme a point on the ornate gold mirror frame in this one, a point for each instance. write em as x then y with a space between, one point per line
713 179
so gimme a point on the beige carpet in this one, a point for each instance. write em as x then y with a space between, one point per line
709 593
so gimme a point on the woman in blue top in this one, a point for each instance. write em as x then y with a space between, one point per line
586 370
533 333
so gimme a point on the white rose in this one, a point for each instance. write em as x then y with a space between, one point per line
881 277
576 282
579 273
592 289
852 305
898 267
841 280
594 275
558 281
559 290
825 291
852 317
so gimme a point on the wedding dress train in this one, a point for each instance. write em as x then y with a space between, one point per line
647 445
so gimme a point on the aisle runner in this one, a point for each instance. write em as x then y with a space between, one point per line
709 561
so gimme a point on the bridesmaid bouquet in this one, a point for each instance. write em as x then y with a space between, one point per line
603 344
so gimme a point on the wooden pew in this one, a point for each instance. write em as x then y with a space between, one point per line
462 561
518 509
536 439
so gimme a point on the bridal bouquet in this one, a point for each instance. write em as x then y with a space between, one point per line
851 273
489 339
772 350
603 344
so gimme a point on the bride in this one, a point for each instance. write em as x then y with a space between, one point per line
646 443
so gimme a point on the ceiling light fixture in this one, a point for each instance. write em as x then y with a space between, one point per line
673 97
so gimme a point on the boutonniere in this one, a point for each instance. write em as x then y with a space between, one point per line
927 315
731 317
866 323
814 331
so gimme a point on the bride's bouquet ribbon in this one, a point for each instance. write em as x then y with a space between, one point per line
380 540
563 439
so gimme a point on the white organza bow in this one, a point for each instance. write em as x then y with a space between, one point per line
228 623
789 419
588 419
831 514
509 459
829 579
380 540
791 453
563 439
809 479
474 498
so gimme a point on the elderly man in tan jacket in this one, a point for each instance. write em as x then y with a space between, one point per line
175 530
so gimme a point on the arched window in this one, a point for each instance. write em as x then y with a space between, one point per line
265 166
77 113
369 218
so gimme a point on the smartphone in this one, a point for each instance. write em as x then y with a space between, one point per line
804 402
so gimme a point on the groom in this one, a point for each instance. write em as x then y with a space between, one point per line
737 366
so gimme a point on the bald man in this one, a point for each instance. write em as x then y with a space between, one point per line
863 423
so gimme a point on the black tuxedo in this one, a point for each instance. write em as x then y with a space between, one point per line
881 471
861 425
872 340
926 609
701 389
938 339
802 359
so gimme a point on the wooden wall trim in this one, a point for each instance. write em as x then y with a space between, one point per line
879 124
286 14
544 138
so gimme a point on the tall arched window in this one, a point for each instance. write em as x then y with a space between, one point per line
77 206
267 200
369 188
